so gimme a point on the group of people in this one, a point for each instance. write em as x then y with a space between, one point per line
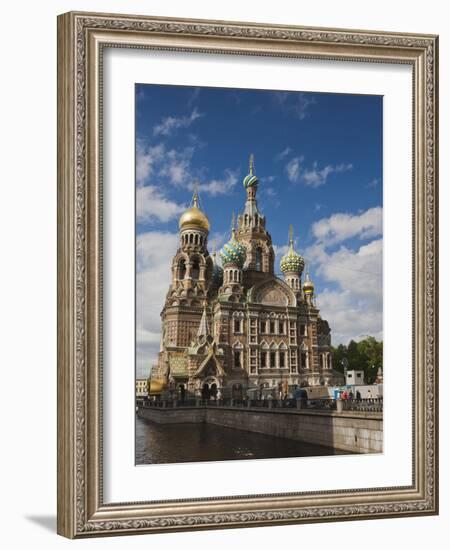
346 395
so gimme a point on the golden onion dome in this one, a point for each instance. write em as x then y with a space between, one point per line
308 285
155 387
193 217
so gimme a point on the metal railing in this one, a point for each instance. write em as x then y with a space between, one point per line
363 405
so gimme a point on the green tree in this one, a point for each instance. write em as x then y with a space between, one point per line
365 355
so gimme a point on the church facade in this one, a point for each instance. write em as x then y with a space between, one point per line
238 327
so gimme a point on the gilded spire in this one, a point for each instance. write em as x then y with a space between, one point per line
195 195
203 329
233 225
291 236
193 217
251 163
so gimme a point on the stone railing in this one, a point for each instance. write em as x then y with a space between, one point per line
363 405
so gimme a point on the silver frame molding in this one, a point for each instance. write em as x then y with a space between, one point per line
81 39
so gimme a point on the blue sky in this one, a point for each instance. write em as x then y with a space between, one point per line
319 161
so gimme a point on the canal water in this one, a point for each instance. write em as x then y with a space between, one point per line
169 443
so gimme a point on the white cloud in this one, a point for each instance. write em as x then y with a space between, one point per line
283 154
220 186
170 124
353 304
151 205
302 104
296 103
340 227
146 158
293 169
315 176
176 166
154 253
348 319
373 183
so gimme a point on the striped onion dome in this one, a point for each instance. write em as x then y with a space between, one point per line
250 179
233 252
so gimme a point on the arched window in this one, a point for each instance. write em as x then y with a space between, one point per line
258 259
195 270
182 269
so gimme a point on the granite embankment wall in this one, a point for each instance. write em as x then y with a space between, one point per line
355 431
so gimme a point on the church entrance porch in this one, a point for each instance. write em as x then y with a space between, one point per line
210 388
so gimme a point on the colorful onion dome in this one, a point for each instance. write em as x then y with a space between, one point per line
292 261
217 272
193 217
308 285
233 252
250 179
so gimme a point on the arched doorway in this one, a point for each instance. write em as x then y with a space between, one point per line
236 391
182 392
205 392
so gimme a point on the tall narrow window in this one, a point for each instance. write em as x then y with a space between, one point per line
263 359
182 269
237 325
237 359
273 361
258 259
272 327
281 327
282 359
262 327
195 271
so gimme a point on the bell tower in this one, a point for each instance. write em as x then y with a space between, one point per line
192 265
251 231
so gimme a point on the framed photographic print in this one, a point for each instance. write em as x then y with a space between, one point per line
247 286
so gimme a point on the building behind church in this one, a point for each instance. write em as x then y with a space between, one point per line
237 326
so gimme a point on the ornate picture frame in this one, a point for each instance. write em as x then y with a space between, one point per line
82 38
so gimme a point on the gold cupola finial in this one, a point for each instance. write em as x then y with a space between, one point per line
193 217
291 236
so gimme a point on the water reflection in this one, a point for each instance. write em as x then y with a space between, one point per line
169 443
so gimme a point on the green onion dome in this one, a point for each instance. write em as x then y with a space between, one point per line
250 179
292 261
233 252
217 272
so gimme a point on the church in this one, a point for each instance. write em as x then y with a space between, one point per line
234 325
